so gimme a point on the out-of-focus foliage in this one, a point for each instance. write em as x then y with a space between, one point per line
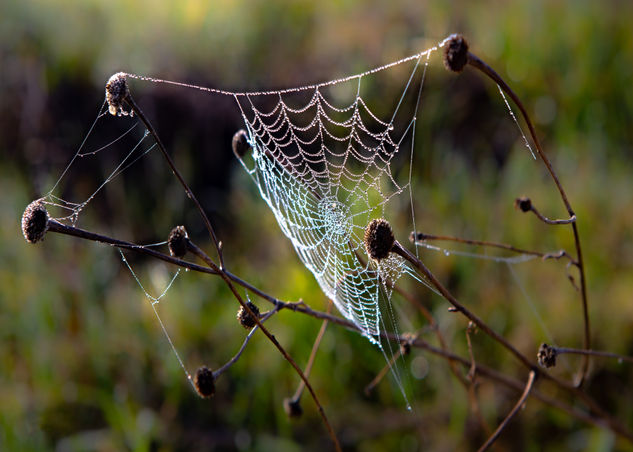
83 363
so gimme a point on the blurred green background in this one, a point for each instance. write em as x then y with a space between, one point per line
83 362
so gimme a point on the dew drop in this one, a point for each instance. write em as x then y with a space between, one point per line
447 253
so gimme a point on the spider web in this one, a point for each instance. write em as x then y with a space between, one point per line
324 170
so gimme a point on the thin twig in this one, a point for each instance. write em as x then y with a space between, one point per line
61 228
511 414
137 110
248 337
315 347
477 63
544 219
419 237
577 351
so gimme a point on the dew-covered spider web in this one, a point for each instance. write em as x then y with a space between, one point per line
327 159
324 170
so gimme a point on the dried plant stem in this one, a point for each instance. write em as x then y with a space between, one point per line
477 63
170 162
577 351
512 413
198 252
315 347
544 219
400 250
419 237
55 226
248 337
605 420
220 269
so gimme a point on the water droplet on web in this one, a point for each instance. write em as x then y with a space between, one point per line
409 407
447 253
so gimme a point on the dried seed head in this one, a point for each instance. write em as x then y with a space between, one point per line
116 91
546 356
177 241
379 239
204 382
292 407
240 143
456 53
245 319
523 203
35 221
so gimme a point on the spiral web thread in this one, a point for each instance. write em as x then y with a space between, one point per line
325 172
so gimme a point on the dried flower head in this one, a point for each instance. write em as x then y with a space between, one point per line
523 203
379 239
546 356
245 319
292 407
204 382
116 91
240 143
456 53
35 221
177 241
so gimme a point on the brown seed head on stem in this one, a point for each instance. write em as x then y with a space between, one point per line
35 221
292 407
117 91
523 203
456 53
379 239
245 319
240 143
177 241
547 356
204 382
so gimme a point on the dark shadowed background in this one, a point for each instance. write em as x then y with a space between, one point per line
83 362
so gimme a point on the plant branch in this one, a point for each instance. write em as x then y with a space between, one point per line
419 237
222 273
512 413
137 110
477 63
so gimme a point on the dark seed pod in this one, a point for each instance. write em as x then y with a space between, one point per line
546 356
379 239
116 91
240 143
177 241
35 221
245 319
456 53
204 382
523 203
292 408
